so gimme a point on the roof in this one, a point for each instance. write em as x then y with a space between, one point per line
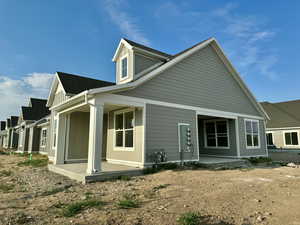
146 48
36 110
2 125
283 114
14 121
74 84
176 59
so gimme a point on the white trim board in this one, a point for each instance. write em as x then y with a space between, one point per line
126 163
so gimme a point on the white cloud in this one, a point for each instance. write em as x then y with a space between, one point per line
15 93
126 23
243 36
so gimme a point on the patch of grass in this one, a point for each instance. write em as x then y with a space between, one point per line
34 162
5 173
55 190
128 202
77 207
125 178
190 218
6 187
161 186
256 160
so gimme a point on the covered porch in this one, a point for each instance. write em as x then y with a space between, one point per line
87 148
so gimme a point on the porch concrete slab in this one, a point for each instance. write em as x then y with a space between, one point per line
77 171
213 162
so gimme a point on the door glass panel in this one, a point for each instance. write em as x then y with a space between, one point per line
119 138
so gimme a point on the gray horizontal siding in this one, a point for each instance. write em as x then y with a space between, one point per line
200 80
141 63
162 131
252 152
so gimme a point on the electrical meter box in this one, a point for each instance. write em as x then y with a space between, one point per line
185 137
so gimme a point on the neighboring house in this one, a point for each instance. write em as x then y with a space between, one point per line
2 133
283 128
183 107
11 140
42 127
29 134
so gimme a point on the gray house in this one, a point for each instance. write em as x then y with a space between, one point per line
174 107
283 128
2 133
11 137
29 134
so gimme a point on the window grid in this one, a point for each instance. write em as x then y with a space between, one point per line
123 130
252 133
215 136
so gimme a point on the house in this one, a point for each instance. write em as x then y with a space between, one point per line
29 134
11 138
283 128
163 108
2 133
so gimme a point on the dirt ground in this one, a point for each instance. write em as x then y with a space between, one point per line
241 196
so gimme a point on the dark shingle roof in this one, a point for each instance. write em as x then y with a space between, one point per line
282 114
14 121
147 48
74 84
2 125
36 110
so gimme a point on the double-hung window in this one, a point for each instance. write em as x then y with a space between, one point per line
291 138
217 134
43 137
124 68
124 130
252 133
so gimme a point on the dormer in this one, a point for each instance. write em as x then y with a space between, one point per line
134 60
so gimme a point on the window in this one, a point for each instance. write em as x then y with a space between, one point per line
291 138
21 138
54 133
217 134
270 139
124 128
124 66
43 137
252 133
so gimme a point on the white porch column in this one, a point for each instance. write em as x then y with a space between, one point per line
61 125
95 138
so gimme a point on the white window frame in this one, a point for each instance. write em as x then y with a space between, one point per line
121 69
45 141
258 126
205 134
290 131
270 132
118 148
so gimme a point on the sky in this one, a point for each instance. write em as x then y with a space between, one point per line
38 38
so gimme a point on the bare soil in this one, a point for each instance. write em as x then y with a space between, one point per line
241 196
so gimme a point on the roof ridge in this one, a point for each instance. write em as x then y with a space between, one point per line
76 75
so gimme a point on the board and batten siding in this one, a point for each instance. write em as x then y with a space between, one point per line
242 138
133 156
162 132
231 151
200 80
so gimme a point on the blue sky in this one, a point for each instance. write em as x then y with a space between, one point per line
77 36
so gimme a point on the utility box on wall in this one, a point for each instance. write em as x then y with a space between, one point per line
185 137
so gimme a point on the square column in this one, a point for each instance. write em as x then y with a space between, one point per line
61 126
95 138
